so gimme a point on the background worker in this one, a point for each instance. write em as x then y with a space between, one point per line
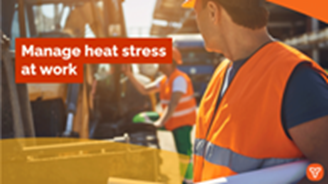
178 102
266 105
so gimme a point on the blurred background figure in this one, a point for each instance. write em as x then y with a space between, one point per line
178 104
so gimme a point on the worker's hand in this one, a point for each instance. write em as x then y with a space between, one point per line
158 124
127 69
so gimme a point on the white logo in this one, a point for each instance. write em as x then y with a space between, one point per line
315 171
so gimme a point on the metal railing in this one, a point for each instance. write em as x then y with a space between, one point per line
314 38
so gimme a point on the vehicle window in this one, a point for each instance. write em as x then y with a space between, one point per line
15 29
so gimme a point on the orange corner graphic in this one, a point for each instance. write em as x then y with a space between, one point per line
316 9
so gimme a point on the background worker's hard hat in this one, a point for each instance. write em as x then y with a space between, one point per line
188 4
177 56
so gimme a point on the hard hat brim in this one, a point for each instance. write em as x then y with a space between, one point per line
188 4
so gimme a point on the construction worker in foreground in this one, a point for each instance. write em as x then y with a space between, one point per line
179 106
266 104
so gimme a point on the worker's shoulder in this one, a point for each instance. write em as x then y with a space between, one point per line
288 58
305 96
179 80
286 53
180 73
307 78
305 74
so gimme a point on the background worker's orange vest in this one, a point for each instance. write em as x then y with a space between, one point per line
246 132
185 112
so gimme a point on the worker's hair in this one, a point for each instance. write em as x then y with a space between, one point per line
248 13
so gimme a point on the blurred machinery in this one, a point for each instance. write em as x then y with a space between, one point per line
303 32
67 110
55 18
51 110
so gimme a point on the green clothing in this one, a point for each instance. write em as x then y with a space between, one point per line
146 117
183 145
182 138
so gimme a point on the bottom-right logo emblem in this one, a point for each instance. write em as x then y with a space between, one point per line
315 172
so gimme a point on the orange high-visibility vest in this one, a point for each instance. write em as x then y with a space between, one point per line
185 112
246 132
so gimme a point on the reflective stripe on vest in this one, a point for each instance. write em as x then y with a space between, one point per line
182 100
199 147
184 112
236 162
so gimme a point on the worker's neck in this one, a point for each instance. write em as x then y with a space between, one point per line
168 73
244 42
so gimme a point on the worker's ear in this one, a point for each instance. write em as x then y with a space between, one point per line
214 11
